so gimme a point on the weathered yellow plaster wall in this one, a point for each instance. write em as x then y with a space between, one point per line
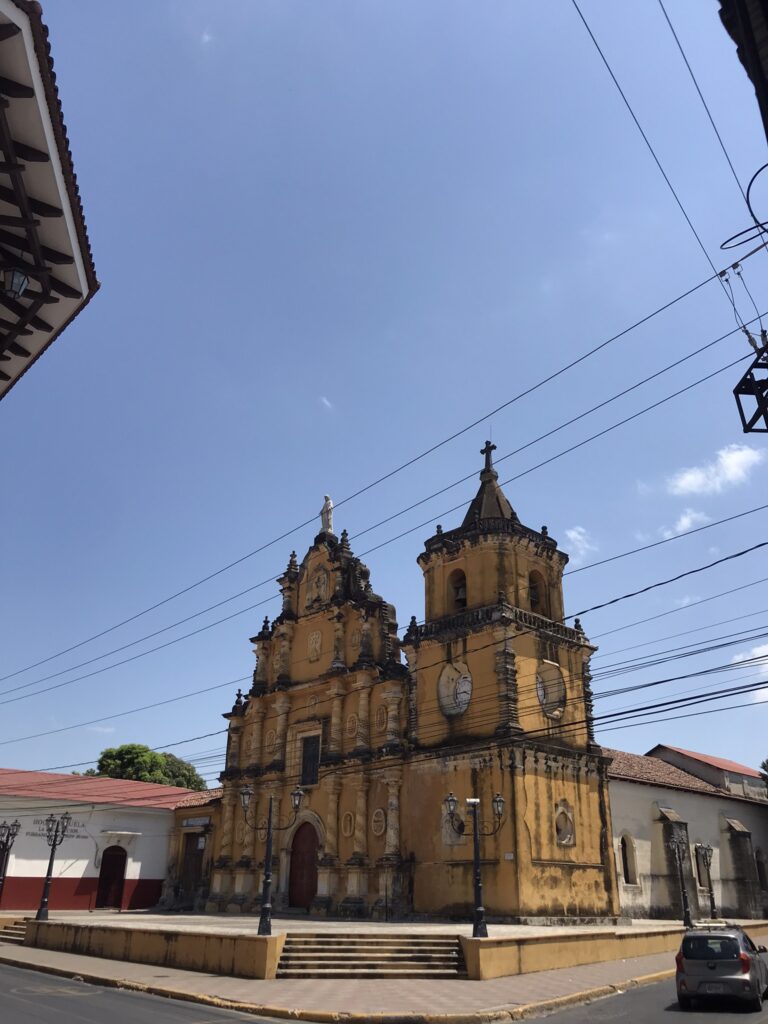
244 956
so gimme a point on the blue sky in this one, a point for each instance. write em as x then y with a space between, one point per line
330 235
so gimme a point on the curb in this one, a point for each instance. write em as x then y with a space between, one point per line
341 1016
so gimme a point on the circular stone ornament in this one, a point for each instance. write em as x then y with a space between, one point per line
550 689
351 726
454 689
379 822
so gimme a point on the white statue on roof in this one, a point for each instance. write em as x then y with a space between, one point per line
326 515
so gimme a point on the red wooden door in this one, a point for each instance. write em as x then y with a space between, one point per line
302 882
111 877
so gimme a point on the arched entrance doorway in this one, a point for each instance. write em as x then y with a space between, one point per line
111 877
302 880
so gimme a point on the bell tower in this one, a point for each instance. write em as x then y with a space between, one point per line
499 702
494 656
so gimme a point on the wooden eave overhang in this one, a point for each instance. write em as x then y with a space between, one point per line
42 227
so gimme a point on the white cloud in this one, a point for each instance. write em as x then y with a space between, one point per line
683 602
326 402
761 651
580 544
732 466
687 520
101 728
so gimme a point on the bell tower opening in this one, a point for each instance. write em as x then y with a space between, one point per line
538 594
457 591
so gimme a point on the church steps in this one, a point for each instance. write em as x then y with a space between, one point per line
13 934
361 955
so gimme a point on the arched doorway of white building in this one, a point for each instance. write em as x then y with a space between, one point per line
111 877
302 879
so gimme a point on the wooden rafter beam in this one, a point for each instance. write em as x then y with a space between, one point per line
18 222
15 90
20 242
29 153
19 310
36 205
8 326
42 273
15 348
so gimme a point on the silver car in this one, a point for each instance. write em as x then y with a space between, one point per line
719 962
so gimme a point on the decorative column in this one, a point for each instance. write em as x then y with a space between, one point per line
360 841
506 675
327 872
392 839
257 731
392 698
339 661
363 739
221 875
332 786
589 710
282 706
336 691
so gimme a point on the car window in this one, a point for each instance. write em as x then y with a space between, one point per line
711 947
750 944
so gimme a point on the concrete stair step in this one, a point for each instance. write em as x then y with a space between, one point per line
12 940
378 936
367 944
403 957
380 972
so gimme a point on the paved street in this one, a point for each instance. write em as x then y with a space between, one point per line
31 998
652 1004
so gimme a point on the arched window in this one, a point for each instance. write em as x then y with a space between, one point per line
565 830
538 594
628 861
457 591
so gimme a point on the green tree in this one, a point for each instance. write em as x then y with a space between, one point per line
140 764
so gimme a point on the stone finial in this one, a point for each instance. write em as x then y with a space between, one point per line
487 451
544 531
412 632
293 565
345 548
577 626
438 530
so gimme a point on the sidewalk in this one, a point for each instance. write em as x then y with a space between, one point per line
364 1000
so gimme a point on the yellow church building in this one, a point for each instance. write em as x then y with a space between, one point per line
489 695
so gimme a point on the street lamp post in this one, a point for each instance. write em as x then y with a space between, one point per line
479 927
706 855
55 834
8 834
679 846
246 793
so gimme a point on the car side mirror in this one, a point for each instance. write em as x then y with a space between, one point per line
762 949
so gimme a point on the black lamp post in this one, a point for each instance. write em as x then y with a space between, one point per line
706 855
8 834
479 927
265 919
679 846
55 834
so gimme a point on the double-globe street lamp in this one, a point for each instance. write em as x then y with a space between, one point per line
8 834
679 846
479 927
246 793
55 833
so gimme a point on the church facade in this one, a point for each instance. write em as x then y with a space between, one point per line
489 695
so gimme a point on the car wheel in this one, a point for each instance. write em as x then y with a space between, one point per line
756 1004
684 1002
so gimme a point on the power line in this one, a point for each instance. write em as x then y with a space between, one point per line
272 578
652 151
283 536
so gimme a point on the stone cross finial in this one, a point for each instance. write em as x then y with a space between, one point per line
489 447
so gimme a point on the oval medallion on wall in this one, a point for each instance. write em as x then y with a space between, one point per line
381 718
351 727
347 824
379 822
270 741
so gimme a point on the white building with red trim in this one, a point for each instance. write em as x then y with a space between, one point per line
114 855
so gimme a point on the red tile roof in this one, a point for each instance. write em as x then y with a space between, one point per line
716 762
88 789
201 799
654 772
